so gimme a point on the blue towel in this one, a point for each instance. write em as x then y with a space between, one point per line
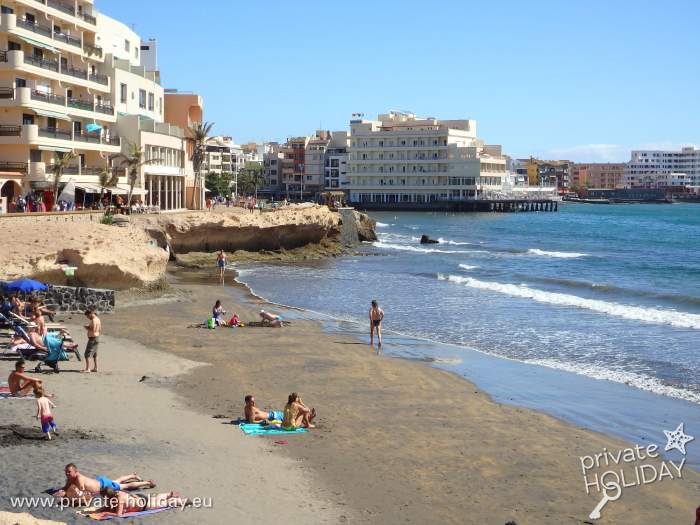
256 429
55 347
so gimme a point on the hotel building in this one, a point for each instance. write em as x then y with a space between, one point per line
336 169
663 168
603 175
403 158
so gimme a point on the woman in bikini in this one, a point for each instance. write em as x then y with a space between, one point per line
221 263
297 414
118 502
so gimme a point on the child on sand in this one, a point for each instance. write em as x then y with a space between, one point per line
43 412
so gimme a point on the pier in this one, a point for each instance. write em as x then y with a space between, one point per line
495 206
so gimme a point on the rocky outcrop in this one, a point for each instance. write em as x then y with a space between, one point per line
366 227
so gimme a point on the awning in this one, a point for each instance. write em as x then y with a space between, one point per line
38 44
123 189
88 187
55 148
51 114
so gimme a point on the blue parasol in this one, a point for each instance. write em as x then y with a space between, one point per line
24 285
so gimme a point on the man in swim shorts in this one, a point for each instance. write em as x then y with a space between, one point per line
21 384
254 415
79 488
376 315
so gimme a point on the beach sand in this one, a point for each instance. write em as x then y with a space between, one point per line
397 441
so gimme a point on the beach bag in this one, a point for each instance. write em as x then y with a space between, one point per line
211 323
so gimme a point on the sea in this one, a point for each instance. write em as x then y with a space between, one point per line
591 313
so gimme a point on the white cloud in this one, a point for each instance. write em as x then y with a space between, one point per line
603 152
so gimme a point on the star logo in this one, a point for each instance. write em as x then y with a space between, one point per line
677 439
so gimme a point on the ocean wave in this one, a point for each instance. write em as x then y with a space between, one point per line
402 247
641 381
636 313
382 225
453 243
468 267
558 255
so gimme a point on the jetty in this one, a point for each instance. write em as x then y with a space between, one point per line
491 205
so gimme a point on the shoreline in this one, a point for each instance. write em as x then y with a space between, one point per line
373 493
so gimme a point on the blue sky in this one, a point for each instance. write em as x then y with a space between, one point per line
580 80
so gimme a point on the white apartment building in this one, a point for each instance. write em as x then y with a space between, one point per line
55 94
663 168
336 165
401 158
72 80
272 166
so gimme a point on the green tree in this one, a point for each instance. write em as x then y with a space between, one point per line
61 162
109 177
251 177
132 161
219 184
199 134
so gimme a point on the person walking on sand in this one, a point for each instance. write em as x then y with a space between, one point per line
376 315
221 263
94 331
43 412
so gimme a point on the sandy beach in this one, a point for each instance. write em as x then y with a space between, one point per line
397 441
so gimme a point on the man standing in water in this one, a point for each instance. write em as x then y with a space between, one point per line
221 263
376 315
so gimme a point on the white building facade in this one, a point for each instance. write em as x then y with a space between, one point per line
401 158
663 168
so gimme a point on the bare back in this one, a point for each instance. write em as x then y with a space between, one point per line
94 327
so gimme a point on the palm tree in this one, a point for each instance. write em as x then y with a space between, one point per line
251 177
199 134
133 161
61 162
109 177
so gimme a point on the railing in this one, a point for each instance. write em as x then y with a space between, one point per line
42 63
79 104
107 110
92 50
69 9
7 92
34 27
48 97
74 72
55 133
89 18
67 39
87 137
3 56
113 141
14 166
75 170
10 131
100 79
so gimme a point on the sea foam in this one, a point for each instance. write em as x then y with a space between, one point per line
558 255
468 267
402 247
453 243
636 313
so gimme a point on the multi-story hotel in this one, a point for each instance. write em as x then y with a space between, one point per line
404 158
603 175
336 169
292 167
663 168
72 79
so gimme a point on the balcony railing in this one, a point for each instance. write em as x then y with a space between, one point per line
100 79
112 141
42 63
75 72
89 18
66 8
10 131
54 133
92 50
79 104
14 166
67 39
75 170
107 110
87 137
7 92
34 27
48 97
3 56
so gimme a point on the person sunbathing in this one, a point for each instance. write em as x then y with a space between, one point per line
35 339
80 487
297 414
21 384
253 414
118 503
271 319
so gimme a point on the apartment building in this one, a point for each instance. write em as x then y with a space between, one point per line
223 155
292 168
603 175
403 158
663 168
56 95
555 173
272 166
315 161
336 163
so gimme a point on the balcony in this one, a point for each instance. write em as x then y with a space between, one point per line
48 97
44 63
92 50
14 166
53 133
70 40
75 72
34 27
3 56
107 110
66 8
6 93
87 137
10 131
89 18
100 79
79 104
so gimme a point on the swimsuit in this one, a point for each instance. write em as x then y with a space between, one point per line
375 322
47 423
107 483
221 263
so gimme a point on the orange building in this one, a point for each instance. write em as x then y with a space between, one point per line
603 175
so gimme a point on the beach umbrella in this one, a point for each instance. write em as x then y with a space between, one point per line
24 285
93 128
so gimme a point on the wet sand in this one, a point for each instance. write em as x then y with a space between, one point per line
398 441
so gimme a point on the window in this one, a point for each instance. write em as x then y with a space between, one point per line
20 82
27 119
34 155
13 46
160 106
127 46
151 101
136 52
142 98
122 93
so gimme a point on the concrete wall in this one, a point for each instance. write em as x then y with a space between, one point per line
75 216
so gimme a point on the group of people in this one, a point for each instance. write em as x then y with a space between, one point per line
295 414
117 496
218 318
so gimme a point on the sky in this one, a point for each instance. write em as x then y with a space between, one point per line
585 81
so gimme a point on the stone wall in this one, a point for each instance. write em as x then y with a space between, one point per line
58 216
76 299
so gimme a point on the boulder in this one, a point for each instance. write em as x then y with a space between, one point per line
424 239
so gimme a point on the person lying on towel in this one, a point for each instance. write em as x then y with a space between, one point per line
80 488
271 319
253 414
118 503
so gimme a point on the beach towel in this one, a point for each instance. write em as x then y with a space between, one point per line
105 516
5 394
256 429
55 347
